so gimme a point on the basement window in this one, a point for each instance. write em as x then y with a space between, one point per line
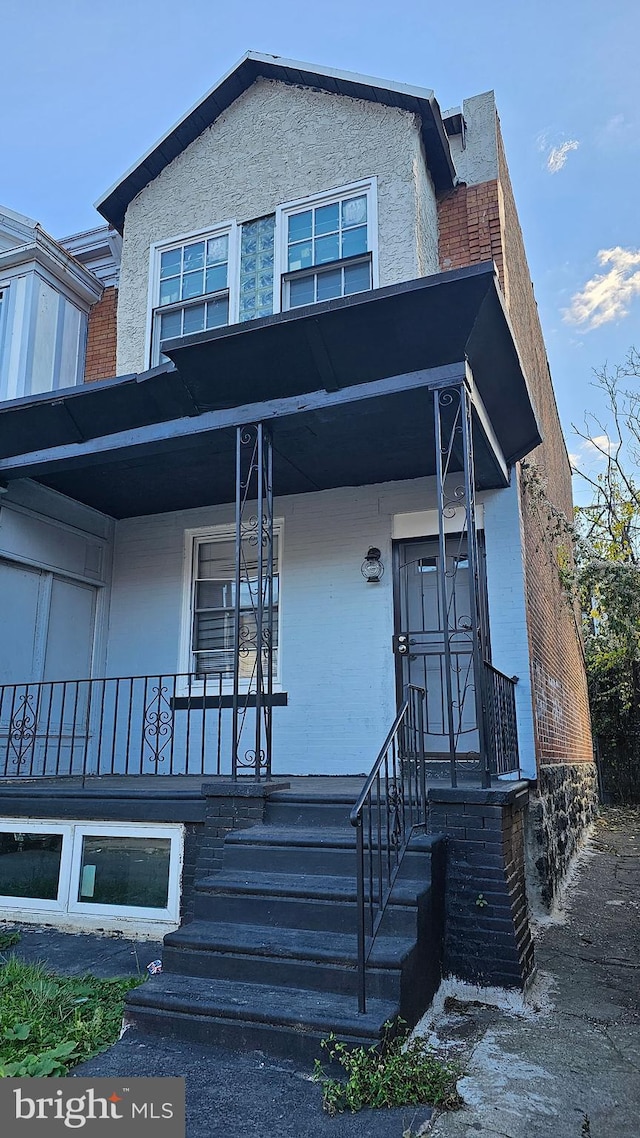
106 869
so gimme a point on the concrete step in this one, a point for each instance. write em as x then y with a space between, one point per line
284 1021
289 809
316 960
327 851
306 901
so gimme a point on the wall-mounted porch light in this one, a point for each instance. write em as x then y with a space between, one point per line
372 568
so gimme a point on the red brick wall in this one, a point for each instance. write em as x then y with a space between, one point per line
478 223
470 227
100 361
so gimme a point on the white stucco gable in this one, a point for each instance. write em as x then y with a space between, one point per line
274 144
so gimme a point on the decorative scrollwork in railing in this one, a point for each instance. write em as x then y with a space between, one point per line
22 731
248 760
394 805
158 725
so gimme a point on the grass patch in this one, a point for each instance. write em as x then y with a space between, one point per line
8 939
394 1073
50 1023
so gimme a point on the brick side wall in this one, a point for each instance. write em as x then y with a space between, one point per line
487 934
561 709
470 227
478 223
100 361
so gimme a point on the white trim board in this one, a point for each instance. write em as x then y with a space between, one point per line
425 523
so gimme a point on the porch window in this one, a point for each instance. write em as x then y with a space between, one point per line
191 287
213 605
328 246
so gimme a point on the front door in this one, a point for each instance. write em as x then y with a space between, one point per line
422 625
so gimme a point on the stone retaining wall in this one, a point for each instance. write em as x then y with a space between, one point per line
561 810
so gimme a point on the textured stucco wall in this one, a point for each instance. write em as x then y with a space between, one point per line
477 160
277 143
426 215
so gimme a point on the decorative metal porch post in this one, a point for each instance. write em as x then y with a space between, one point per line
253 600
454 443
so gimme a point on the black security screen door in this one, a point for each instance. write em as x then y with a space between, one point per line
422 624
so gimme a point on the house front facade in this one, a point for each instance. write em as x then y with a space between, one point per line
306 455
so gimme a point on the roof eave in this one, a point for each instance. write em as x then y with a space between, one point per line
113 204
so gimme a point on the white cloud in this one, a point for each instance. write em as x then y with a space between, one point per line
598 446
557 155
607 296
574 461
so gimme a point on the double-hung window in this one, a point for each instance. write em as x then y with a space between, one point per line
210 629
327 246
192 287
314 249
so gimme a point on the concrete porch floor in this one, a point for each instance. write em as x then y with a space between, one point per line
177 786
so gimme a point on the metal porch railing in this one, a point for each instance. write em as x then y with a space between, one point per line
134 725
392 803
502 724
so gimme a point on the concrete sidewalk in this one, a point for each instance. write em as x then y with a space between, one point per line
571 1068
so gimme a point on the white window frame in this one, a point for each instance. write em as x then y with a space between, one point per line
366 186
71 861
193 538
106 830
40 828
229 228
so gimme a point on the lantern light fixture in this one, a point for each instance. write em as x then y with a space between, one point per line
372 568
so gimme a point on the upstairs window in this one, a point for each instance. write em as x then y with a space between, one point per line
327 246
192 287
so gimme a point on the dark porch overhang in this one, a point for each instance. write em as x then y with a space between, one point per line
346 386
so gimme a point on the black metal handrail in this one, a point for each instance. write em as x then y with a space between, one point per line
131 725
502 723
392 803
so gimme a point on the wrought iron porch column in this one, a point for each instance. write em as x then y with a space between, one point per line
253 598
456 490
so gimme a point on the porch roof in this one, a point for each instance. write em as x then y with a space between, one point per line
346 385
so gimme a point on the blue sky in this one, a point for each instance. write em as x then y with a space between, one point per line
93 84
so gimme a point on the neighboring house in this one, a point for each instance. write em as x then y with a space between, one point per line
328 371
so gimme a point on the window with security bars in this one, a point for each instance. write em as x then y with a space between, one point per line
192 289
328 250
214 589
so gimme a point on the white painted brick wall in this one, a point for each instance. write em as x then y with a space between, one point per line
336 660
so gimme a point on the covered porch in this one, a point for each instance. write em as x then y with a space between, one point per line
417 389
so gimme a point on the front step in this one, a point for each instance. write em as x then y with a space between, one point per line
270 958
323 850
288 957
288 900
283 1021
